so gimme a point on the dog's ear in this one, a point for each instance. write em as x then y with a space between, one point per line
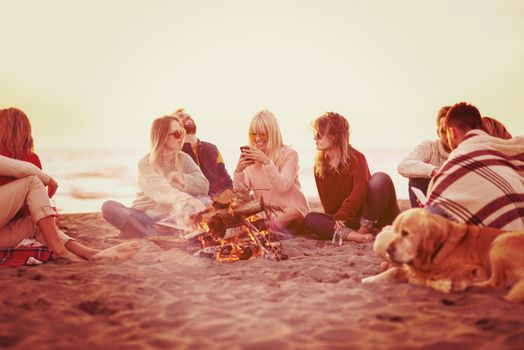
434 233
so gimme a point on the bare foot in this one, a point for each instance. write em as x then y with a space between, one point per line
67 255
121 251
360 238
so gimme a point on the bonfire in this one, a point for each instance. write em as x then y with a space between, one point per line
236 227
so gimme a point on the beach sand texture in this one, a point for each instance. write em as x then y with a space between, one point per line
164 298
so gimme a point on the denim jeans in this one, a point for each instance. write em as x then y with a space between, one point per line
380 209
131 222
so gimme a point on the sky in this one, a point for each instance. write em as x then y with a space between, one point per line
94 74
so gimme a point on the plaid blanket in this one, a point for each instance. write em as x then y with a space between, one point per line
482 182
19 256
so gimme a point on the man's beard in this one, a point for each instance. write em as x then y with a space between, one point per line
190 129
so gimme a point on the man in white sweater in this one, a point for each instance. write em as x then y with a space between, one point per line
425 160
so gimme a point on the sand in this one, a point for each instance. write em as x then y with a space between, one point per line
164 298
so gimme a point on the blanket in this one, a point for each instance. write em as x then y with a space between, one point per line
482 182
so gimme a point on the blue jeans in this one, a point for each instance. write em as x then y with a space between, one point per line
380 209
132 223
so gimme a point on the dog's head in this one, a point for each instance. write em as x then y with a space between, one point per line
418 237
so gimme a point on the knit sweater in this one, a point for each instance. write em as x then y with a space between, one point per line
159 197
482 182
343 194
275 183
425 158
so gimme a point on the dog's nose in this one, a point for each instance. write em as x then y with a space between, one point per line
391 249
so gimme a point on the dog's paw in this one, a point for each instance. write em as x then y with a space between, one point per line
444 286
369 279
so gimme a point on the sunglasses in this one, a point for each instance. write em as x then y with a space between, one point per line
262 135
177 134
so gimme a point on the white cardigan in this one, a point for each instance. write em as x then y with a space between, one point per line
425 158
159 198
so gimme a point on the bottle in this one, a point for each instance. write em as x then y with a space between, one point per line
53 206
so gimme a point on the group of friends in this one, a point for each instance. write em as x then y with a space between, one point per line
473 173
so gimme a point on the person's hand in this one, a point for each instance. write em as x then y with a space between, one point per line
340 232
176 178
52 186
256 155
243 163
339 224
434 172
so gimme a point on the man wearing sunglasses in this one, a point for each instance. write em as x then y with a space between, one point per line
206 155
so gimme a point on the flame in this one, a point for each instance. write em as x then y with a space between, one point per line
245 240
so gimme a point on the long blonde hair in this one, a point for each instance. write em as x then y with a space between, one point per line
159 133
336 128
265 122
15 133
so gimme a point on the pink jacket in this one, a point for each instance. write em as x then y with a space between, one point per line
276 183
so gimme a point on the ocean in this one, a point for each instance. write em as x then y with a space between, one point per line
87 178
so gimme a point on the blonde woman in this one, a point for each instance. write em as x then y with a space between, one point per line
354 202
169 180
25 209
270 169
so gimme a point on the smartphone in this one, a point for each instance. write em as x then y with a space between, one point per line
242 151
420 195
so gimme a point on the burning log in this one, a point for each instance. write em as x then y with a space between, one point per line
232 230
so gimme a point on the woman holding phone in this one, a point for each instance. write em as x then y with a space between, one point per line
270 169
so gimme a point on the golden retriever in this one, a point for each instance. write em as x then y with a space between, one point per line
507 266
430 250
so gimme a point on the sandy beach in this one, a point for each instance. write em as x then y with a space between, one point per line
164 298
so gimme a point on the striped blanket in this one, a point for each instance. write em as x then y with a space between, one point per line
20 255
482 182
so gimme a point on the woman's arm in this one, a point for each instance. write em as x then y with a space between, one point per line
156 186
281 181
357 198
194 182
18 169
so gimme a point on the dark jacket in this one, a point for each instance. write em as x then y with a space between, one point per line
215 172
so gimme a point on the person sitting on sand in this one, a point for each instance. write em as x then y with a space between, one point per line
495 128
270 169
481 183
23 184
425 160
206 155
169 182
354 202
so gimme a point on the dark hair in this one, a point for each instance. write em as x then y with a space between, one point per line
464 116
15 133
336 127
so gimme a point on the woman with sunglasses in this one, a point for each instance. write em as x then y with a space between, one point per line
169 183
25 207
270 169
354 202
